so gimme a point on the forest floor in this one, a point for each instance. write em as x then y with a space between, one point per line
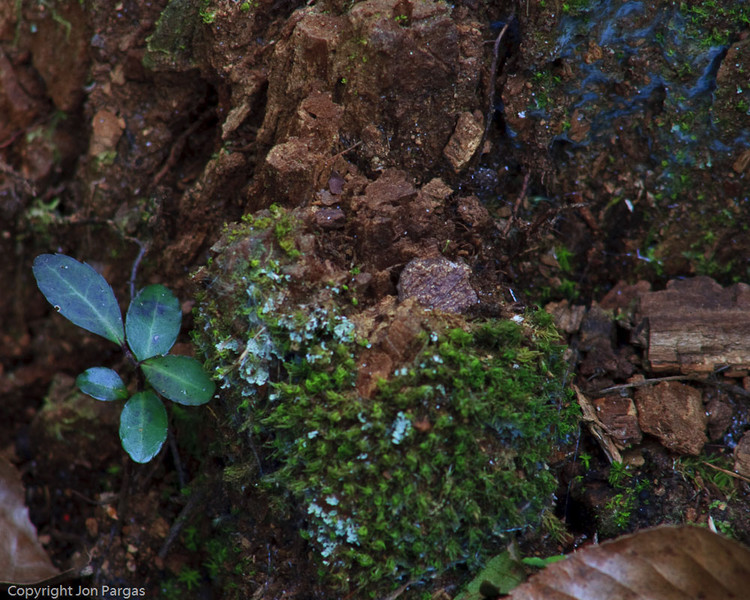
576 156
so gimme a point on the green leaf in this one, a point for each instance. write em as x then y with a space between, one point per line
540 563
500 576
153 322
143 426
102 383
80 295
180 378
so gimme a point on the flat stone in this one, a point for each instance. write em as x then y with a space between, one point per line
619 416
473 213
742 456
107 129
567 318
624 296
673 413
330 218
373 367
465 140
290 170
719 418
438 283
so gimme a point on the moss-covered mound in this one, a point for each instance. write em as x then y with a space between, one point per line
410 441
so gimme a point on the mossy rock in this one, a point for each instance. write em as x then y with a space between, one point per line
409 441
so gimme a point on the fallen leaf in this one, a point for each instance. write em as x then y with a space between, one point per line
22 558
664 563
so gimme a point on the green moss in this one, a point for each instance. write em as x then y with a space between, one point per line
702 470
171 44
575 7
284 228
207 14
436 465
618 514
545 84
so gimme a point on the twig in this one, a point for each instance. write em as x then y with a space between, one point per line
179 145
727 472
75 572
109 499
597 428
728 387
329 161
637 384
491 94
345 150
28 187
326 170
732 389
127 474
176 458
517 205
181 519
396 593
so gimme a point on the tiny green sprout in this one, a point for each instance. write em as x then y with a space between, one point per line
151 326
190 577
618 474
208 16
585 458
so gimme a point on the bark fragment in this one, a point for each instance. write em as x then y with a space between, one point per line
695 326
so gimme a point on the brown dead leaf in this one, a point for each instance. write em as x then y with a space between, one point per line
664 563
22 558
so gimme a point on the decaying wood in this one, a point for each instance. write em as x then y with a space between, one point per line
597 428
696 326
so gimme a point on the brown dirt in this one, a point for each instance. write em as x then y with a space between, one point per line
145 125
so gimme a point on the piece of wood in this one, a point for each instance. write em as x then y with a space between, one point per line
696 326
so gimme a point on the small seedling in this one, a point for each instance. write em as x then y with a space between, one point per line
152 323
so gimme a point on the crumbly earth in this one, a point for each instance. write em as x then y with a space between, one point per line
591 142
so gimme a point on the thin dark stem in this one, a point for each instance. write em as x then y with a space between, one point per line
517 206
176 457
195 499
142 247
728 387
123 499
493 82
